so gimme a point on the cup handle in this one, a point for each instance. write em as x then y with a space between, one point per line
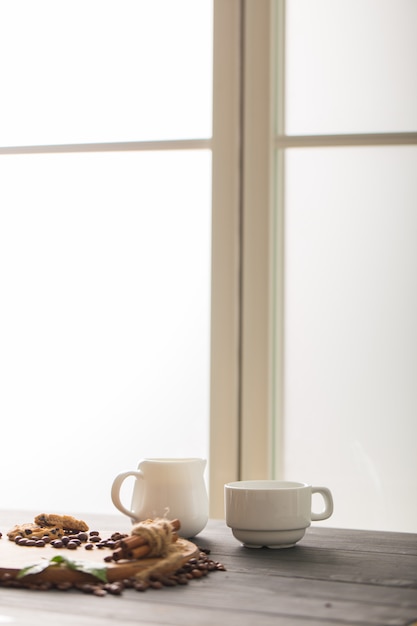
115 490
328 504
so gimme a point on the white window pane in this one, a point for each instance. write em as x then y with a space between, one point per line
351 66
350 331
121 70
104 320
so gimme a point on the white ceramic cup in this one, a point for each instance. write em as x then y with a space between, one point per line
171 488
272 513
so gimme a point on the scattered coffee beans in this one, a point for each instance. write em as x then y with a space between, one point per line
193 569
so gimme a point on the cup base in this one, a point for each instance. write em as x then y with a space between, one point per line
274 539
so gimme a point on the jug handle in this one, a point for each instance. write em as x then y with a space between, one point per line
115 490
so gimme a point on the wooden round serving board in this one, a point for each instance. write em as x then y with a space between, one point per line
14 558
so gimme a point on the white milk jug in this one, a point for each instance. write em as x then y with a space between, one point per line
170 488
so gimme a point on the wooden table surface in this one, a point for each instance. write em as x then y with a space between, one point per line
333 576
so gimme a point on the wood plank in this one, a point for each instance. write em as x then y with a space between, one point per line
158 615
363 540
332 565
312 559
234 600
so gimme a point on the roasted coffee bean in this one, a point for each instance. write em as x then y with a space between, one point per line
168 581
94 533
57 543
95 538
22 541
140 585
182 579
117 536
154 577
155 584
75 540
71 545
30 542
89 546
82 537
86 588
99 591
65 540
40 543
114 588
17 538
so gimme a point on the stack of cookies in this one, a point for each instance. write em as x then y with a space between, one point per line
48 525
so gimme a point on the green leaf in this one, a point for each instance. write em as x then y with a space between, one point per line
81 566
33 569
88 568
56 561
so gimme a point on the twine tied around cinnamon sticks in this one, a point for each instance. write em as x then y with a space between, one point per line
151 538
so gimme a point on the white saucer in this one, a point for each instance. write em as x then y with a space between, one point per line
274 539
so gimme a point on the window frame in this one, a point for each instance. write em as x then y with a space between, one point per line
244 396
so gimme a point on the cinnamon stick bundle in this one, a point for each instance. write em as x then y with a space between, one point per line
137 547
